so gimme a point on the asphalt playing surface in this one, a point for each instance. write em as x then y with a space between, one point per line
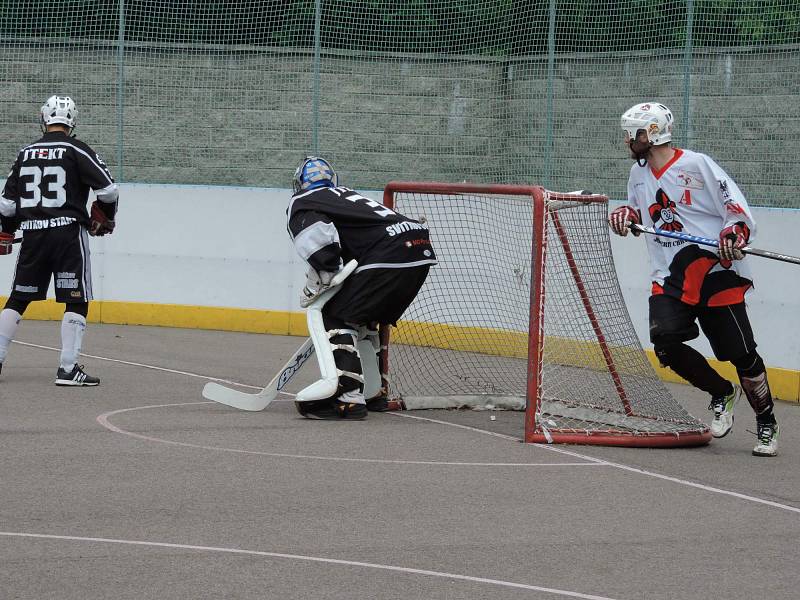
140 488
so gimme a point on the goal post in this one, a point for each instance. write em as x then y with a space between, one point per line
524 312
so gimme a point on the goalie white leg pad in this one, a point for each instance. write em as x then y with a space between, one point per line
329 383
368 347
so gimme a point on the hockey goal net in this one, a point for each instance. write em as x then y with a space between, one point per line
524 311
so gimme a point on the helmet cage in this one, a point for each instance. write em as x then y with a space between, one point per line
314 172
58 110
655 119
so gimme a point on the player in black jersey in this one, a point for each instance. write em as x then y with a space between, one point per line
46 195
330 225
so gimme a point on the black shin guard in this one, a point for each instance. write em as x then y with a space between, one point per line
693 367
345 355
753 377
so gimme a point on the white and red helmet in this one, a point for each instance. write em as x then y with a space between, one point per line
59 109
656 120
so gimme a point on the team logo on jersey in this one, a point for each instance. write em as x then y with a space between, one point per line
664 214
691 179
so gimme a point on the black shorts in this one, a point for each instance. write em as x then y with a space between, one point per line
376 295
58 252
727 327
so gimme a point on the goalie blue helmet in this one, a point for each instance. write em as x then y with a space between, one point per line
314 172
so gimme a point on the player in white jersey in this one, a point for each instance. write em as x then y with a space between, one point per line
46 196
679 190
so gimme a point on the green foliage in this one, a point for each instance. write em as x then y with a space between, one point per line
496 27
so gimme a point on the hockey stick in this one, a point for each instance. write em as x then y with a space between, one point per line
709 242
260 400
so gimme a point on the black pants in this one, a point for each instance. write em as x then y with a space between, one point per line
727 327
61 253
376 295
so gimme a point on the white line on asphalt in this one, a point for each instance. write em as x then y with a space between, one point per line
104 420
316 559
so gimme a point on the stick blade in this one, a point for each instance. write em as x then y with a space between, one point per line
236 399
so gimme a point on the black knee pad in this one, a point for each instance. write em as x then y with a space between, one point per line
667 352
346 359
17 305
749 365
79 308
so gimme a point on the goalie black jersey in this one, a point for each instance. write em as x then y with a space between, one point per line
50 181
332 224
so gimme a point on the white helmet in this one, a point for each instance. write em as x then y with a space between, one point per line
656 119
59 109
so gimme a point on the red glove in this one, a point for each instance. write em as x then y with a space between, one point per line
6 243
731 241
100 223
621 219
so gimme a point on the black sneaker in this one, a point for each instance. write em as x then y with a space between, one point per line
75 377
331 410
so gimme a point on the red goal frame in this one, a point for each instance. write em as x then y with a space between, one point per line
533 432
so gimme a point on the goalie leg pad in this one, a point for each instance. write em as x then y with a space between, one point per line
337 355
327 385
369 346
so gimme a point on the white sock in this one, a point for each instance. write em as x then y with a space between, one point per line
9 320
72 327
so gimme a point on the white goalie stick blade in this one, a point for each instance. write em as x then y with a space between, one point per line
260 401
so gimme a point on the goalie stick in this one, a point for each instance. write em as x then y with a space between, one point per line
709 242
260 400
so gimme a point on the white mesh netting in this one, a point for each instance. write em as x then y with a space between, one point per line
464 341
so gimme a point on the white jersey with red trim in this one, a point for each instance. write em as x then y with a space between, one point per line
691 194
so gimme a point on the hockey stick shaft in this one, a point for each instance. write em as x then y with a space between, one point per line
260 401
257 402
714 243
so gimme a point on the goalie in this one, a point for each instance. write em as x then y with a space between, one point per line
330 225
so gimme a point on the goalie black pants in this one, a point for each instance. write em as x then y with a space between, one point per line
376 295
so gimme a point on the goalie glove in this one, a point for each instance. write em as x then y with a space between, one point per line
621 219
99 222
6 243
316 283
731 241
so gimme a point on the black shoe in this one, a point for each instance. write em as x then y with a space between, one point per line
330 410
75 377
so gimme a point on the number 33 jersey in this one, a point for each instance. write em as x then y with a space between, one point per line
332 224
49 184
694 195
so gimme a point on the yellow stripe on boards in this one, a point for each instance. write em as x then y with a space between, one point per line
785 383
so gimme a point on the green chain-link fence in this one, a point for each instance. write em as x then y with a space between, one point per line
237 92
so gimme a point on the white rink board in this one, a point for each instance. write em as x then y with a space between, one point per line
228 247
